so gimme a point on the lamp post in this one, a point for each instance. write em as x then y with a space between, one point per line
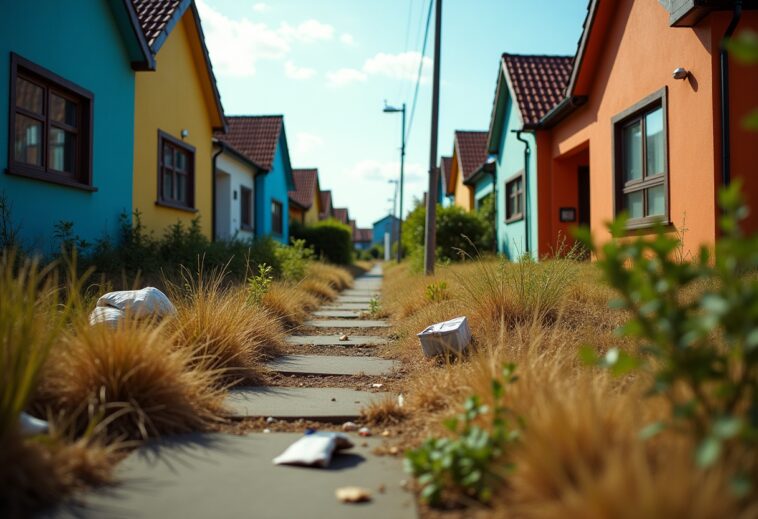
390 110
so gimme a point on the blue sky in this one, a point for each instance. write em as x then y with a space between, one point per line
328 66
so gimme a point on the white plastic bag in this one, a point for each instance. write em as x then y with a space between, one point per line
451 336
106 315
31 426
147 302
314 449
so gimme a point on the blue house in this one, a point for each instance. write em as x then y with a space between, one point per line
390 224
444 197
263 141
67 114
528 87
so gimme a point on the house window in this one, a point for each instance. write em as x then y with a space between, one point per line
514 198
641 169
50 126
176 172
277 222
246 207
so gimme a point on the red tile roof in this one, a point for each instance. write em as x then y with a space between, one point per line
341 214
306 181
446 164
363 235
472 150
539 82
256 136
326 204
155 15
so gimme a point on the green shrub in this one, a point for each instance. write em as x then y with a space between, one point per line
330 240
486 213
293 260
457 230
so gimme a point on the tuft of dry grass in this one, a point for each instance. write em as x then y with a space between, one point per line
222 330
290 304
386 411
336 277
318 288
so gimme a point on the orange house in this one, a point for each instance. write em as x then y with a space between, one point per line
469 153
640 128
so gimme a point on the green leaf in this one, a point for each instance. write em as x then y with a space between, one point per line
726 428
708 452
652 430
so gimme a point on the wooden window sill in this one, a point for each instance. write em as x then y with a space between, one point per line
51 178
172 205
514 219
648 223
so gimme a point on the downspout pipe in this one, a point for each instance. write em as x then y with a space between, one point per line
527 153
214 159
726 160
493 173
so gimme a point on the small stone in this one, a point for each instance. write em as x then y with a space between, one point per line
385 433
334 399
353 495
376 386
266 431
349 426
344 337
400 400
270 419
364 431
381 489
394 450
364 444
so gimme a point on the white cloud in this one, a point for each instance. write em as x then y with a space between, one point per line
292 71
261 7
345 76
308 31
385 171
305 143
347 39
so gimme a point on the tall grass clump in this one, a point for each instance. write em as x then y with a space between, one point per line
336 277
290 304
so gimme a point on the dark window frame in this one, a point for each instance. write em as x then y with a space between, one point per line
246 193
274 230
514 217
177 144
52 84
631 115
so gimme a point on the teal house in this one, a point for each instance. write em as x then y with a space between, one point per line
263 141
67 117
444 198
528 87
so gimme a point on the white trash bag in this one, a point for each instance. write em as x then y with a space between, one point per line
31 426
147 302
106 315
451 336
314 449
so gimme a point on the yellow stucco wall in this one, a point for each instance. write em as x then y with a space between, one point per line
311 216
464 195
172 98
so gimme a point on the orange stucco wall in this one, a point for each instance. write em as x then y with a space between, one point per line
463 194
634 58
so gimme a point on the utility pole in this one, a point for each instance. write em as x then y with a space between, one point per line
431 197
402 181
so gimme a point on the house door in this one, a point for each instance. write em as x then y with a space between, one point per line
583 188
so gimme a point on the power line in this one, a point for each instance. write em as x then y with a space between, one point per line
420 70
407 38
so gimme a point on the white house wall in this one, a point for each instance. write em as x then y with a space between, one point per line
228 208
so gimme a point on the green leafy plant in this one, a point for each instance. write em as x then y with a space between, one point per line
330 239
260 284
374 307
293 260
701 349
465 462
69 242
457 230
436 292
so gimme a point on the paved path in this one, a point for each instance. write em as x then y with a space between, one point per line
220 475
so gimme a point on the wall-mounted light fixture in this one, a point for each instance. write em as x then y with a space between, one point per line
185 133
680 73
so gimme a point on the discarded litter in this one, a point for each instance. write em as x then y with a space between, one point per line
364 431
349 426
147 302
353 495
266 431
270 419
451 336
31 426
400 400
376 386
106 315
314 449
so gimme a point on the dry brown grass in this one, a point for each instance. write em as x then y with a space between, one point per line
290 304
580 455
318 288
336 277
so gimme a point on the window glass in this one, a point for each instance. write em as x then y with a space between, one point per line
62 150
633 204
168 155
654 142
167 188
632 152
181 161
28 140
656 201
181 188
29 96
62 110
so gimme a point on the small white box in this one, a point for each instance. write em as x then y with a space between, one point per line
451 336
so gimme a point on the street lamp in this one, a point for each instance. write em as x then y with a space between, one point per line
392 110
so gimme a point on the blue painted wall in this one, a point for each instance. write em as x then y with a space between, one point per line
271 186
482 188
510 160
388 224
81 42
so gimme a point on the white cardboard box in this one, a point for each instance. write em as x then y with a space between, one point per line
451 336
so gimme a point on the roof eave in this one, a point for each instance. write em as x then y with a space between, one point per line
559 112
148 60
579 60
223 127
225 146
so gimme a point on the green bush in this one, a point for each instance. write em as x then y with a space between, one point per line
457 230
293 260
329 239
486 213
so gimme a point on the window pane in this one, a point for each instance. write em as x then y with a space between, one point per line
62 151
167 189
29 95
181 189
632 151
656 201
28 140
654 141
633 204
62 110
168 155
181 161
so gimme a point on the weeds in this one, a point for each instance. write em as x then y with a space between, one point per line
259 284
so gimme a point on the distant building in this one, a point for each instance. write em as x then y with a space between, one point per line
362 238
327 209
305 199
469 153
390 224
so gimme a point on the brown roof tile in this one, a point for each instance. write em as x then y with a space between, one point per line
539 82
256 136
472 150
363 235
155 15
446 164
306 181
341 214
326 204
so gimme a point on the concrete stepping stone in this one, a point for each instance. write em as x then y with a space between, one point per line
199 476
353 299
331 365
360 293
361 307
347 323
309 403
345 314
334 340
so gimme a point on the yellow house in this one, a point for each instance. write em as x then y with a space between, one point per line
177 108
305 200
469 153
